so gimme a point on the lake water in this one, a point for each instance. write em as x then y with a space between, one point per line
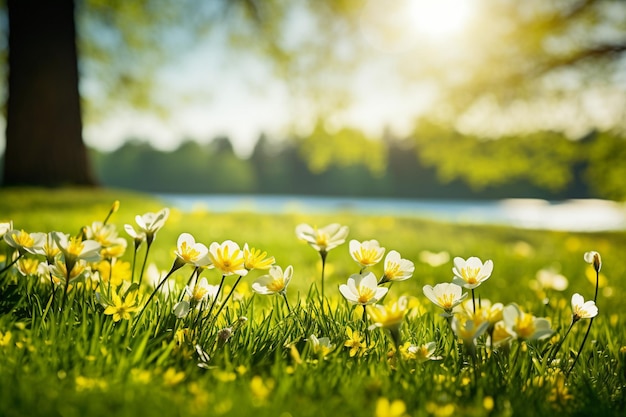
573 215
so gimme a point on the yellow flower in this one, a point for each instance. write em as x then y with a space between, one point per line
5 338
389 317
172 377
255 259
355 342
260 389
468 330
121 309
116 274
28 266
59 271
228 258
385 408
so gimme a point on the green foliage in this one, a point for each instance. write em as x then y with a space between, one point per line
606 153
78 361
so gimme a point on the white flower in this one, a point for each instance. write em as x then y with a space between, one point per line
24 241
362 289
275 282
423 353
74 249
434 258
190 252
472 272
468 330
320 346
137 235
523 325
195 296
396 268
445 295
366 253
582 309
593 258
5 227
323 239
550 279
150 223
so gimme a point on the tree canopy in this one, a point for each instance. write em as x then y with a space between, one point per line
516 68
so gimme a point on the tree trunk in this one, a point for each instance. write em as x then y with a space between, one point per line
44 144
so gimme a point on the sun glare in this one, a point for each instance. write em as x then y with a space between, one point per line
397 25
439 18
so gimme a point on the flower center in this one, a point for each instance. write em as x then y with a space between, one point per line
365 295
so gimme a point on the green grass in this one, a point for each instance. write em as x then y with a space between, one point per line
80 362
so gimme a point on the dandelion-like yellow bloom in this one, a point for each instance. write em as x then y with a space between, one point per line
389 316
114 272
385 408
28 266
122 308
255 259
228 258
355 342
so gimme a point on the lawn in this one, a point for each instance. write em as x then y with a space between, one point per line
104 345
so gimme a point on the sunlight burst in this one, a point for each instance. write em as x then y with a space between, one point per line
441 18
398 25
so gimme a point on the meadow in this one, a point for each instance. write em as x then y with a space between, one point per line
111 340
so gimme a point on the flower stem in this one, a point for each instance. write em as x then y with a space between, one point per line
217 295
473 301
230 293
175 266
322 299
595 297
145 260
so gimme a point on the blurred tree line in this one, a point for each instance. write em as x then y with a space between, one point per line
433 162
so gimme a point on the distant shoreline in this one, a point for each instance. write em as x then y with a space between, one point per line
587 215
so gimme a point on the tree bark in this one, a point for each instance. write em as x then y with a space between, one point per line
44 144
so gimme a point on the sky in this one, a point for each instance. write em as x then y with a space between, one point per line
239 97
216 93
